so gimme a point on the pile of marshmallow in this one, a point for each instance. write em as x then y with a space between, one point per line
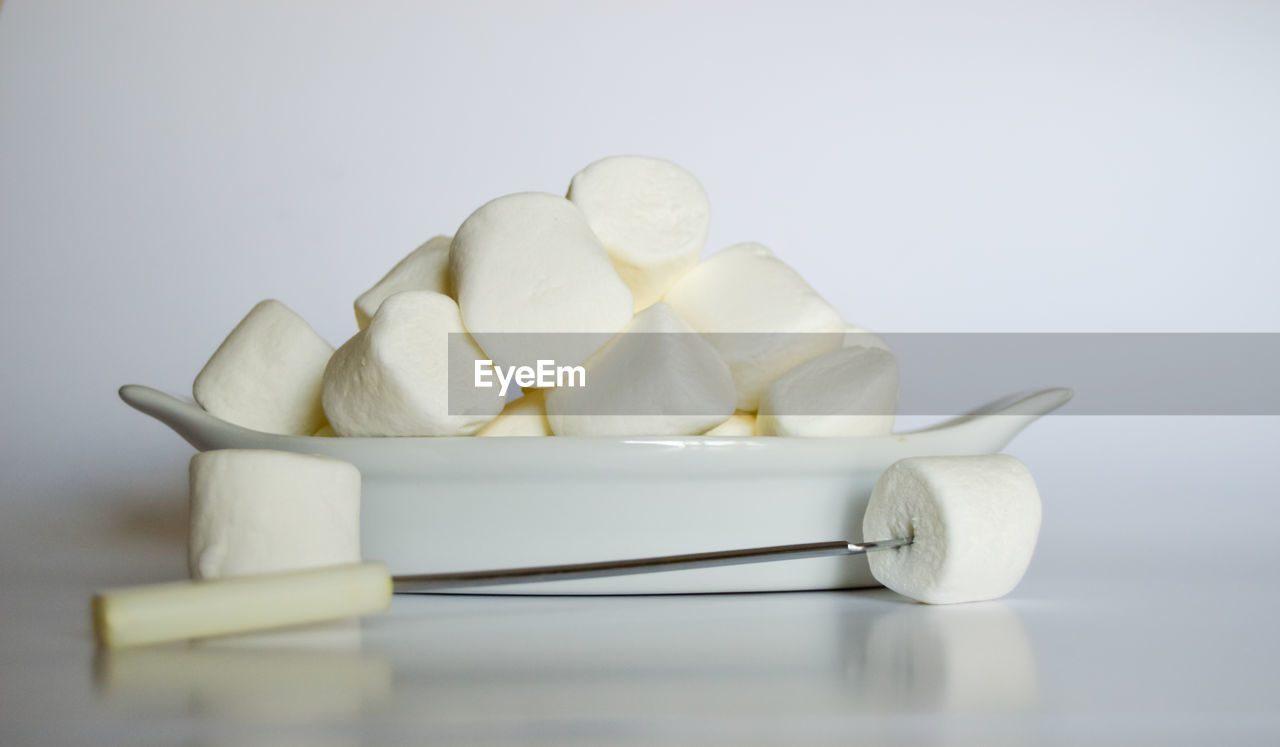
745 346
736 345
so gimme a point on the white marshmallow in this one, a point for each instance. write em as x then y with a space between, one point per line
843 392
745 289
855 336
526 416
975 520
258 511
657 378
393 377
651 215
527 263
739 424
425 268
266 374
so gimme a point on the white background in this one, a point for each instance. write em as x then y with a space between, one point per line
929 166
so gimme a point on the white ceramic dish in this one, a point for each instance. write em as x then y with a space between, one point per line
450 504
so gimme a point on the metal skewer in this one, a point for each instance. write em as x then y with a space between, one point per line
423 583
198 609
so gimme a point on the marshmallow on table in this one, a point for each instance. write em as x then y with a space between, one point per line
658 377
739 424
975 520
393 377
771 318
526 416
426 268
266 374
651 215
529 263
258 511
843 392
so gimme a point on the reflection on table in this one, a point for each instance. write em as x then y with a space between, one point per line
466 660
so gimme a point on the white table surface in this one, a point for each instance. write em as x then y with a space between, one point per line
1167 639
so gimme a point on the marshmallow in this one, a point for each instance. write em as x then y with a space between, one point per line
739 424
855 336
844 392
266 374
526 416
975 520
529 262
426 268
651 215
393 377
745 289
258 511
657 378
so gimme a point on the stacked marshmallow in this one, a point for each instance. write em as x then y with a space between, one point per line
734 345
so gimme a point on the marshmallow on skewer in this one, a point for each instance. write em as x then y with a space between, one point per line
393 377
529 263
845 392
656 378
526 416
972 523
974 520
759 313
425 268
651 215
259 511
266 374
